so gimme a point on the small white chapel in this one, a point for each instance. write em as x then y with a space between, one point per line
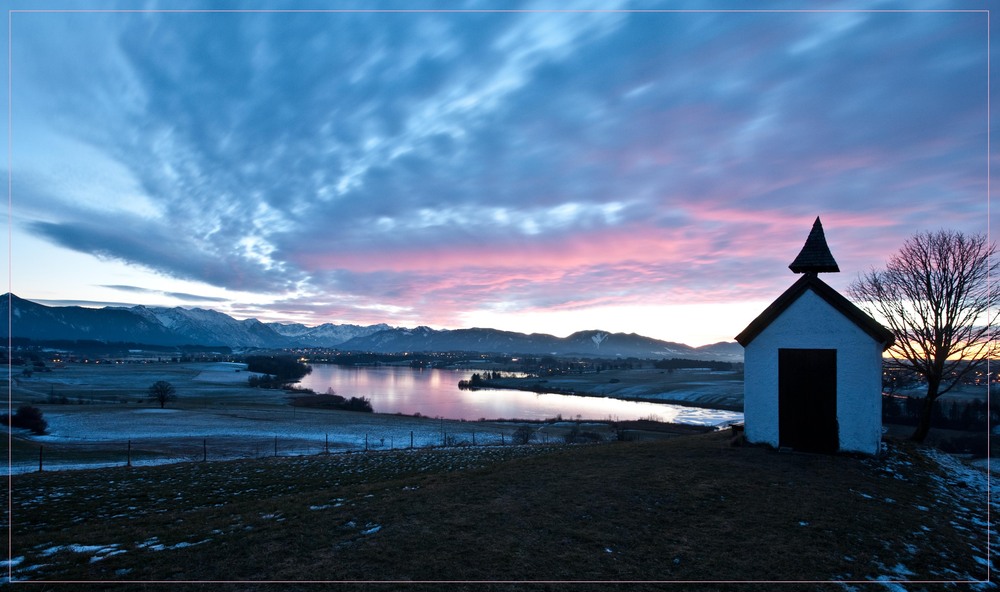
813 365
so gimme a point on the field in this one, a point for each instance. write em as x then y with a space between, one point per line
99 414
696 387
692 510
291 504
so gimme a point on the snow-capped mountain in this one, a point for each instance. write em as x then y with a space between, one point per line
325 335
211 327
36 321
196 326
597 344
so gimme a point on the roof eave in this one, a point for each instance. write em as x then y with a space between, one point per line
844 306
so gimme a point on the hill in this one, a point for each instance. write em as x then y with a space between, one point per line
690 509
161 326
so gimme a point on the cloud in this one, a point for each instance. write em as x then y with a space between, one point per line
421 165
178 295
83 303
157 248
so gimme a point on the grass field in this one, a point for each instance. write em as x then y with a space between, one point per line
698 387
99 413
691 509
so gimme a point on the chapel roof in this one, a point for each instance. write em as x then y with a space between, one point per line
815 256
810 281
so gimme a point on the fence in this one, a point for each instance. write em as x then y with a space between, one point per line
144 452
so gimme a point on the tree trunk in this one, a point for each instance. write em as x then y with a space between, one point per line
924 424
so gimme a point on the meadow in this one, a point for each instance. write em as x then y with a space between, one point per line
692 387
101 414
688 513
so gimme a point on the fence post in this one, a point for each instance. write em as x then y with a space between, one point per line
275 446
326 446
40 448
128 454
501 439
204 450
473 438
366 441
411 440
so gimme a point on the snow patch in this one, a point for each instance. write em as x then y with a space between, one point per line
97 558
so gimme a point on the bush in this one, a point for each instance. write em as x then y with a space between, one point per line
27 417
523 435
333 401
359 404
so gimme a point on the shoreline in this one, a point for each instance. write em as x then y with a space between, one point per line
537 387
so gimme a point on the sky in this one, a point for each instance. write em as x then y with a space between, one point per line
607 165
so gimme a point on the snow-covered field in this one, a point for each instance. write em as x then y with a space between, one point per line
690 386
188 434
214 415
217 415
972 494
342 428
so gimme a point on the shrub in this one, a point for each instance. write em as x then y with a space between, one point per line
333 401
359 404
575 436
27 417
523 435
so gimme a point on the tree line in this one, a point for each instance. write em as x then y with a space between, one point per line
680 363
277 371
973 415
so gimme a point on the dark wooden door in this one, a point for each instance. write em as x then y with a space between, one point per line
807 399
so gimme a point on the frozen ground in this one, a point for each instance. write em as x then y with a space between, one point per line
973 496
188 434
343 429
967 495
217 416
688 386
105 503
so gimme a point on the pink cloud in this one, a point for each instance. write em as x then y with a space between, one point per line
595 247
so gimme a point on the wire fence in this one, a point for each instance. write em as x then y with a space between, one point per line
145 452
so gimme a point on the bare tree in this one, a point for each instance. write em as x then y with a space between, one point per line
936 296
162 392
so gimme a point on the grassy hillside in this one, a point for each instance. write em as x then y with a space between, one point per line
691 509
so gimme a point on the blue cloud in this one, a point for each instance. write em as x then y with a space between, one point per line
178 295
261 141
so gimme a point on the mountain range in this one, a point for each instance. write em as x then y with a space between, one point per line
196 326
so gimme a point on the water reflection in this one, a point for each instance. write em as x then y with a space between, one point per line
435 393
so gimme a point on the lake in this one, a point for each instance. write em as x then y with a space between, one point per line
435 393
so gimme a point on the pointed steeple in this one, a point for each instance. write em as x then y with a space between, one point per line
815 256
